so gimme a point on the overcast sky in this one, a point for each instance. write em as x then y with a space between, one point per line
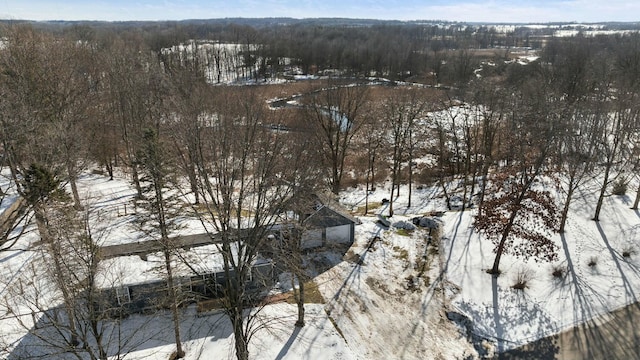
453 10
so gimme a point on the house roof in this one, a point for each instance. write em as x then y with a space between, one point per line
134 269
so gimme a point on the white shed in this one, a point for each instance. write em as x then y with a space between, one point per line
326 227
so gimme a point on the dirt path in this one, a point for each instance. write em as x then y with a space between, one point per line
612 336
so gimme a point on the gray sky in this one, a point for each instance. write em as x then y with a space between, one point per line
453 10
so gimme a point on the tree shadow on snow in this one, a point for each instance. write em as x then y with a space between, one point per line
287 345
613 335
48 340
511 318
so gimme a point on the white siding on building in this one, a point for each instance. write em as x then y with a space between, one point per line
339 234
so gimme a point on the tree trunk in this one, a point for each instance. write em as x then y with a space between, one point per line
495 269
335 181
300 301
483 188
391 200
241 343
366 197
565 209
603 191
109 165
136 180
193 182
637 201
76 196
71 171
444 191
174 305
410 177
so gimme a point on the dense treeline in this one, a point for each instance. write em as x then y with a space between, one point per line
152 104
394 50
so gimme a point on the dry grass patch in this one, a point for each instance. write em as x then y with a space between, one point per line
312 294
210 304
523 278
402 253
404 232
371 209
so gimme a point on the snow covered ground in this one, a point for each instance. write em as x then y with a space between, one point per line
387 298
389 295
509 317
369 311
549 304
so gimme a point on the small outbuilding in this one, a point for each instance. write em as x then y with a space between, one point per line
327 225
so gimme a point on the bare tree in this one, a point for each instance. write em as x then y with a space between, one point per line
614 117
576 159
490 112
190 98
245 183
289 251
289 255
162 210
372 141
335 116
52 79
626 75
132 76
401 113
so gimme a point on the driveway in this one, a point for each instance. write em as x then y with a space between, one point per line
612 336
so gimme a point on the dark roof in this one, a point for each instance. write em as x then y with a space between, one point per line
329 201
326 217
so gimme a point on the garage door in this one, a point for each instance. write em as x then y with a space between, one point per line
339 234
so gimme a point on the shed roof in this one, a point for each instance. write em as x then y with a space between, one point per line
326 217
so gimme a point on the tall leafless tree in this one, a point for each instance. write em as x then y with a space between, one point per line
372 142
162 209
335 114
401 113
245 183
132 86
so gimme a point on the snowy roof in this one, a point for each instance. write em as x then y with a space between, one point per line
136 269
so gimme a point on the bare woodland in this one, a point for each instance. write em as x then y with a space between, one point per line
136 103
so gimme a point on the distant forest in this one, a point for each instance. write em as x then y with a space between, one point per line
436 52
